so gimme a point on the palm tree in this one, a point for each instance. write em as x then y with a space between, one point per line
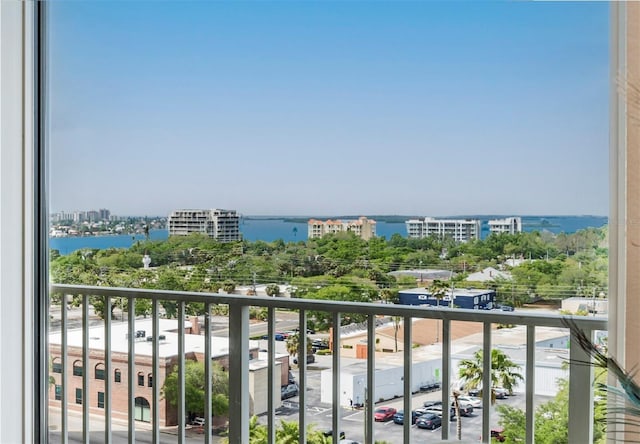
438 289
293 344
503 371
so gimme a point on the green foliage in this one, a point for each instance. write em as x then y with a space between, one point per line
195 388
551 420
344 267
287 432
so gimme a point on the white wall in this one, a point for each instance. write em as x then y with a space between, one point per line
389 382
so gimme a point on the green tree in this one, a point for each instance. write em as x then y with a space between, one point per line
503 371
195 388
272 290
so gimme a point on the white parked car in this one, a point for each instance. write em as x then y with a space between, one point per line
476 403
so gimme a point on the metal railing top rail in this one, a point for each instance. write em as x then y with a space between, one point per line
588 323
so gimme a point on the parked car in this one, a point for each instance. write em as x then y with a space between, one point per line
506 308
348 441
432 403
384 413
311 358
197 421
465 409
429 421
499 392
430 386
330 433
475 402
320 344
497 435
437 409
398 417
289 391
310 331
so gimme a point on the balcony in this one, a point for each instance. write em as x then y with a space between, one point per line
127 371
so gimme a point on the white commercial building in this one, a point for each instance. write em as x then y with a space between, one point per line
511 225
222 225
460 230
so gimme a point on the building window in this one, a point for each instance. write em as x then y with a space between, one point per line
117 376
99 371
78 396
141 379
77 368
58 392
150 380
100 400
56 365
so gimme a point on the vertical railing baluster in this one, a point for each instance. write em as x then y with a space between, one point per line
155 371
181 369
371 379
85 369
131 387
335 375
274 386
580 394
238 373
446 375
64 352
530 389
302 372
107 371
486 382
208 392
408 367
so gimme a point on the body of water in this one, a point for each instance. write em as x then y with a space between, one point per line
269 229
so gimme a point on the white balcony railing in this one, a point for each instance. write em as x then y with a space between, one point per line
580 376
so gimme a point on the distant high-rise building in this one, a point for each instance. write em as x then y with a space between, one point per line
104 214
362 227
511 225
222 225
460 230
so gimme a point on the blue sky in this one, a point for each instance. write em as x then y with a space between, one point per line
320 108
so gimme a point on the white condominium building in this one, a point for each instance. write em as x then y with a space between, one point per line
362 227
222 225
511 225
460 230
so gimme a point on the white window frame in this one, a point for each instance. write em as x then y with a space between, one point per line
23 282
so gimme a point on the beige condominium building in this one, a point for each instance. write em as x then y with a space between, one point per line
222 225
361 227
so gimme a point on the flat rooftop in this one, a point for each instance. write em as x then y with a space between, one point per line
168 346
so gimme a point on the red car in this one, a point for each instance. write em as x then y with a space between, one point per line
384 413
497 435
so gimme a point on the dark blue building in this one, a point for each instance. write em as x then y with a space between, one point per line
473 299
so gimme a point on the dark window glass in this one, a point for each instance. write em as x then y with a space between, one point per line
141 379
99 371
117 376
101 400
77 368
150 380
58 392
78 396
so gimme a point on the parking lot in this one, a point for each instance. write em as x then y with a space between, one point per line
352 420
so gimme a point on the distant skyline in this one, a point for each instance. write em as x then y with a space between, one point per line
335 108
